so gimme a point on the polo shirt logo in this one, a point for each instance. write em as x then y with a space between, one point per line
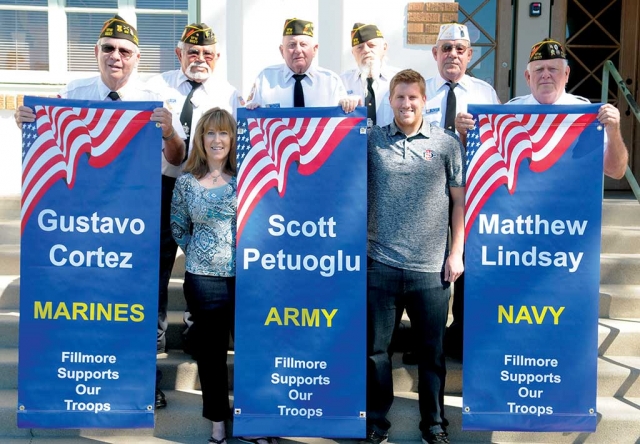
429 155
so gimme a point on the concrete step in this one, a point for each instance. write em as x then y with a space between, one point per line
616 239
616 337
620 269
621 212
10 208
9 231
9 328
617 375
10 292
8 368
618 424
10 259
181 422
178 266
619 337
619 301
616 301
180 371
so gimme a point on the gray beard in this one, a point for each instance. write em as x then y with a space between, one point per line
371 69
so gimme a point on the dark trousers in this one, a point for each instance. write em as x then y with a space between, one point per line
168 250
455 332
425 296
211 300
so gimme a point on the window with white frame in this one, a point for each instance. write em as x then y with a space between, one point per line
57 37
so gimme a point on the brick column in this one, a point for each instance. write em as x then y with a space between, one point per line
424 20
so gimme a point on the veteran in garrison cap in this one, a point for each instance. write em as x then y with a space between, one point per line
189 92
449 93
117 53
297 82
369 82
452 89
547 75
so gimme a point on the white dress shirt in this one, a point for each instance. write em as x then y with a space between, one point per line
274 87
469 90
173 87
564 99
356 85
94 88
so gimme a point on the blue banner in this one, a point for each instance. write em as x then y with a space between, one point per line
89 265
300 354
533 219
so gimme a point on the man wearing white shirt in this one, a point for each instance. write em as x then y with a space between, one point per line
118 55
448 94
197 80
453 53
297 83
189 92
547 75
370 80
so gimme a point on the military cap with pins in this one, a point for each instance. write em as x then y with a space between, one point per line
363 33
546 50
117 28
198 34
296 26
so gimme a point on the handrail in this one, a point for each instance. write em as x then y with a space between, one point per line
610 69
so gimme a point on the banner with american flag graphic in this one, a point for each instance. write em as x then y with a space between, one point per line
533 223
89 264
300 349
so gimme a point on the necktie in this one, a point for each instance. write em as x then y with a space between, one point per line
450 115
298 94
187 114
114 96
371 102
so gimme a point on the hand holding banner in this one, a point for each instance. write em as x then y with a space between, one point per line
301 264
89 264
533 212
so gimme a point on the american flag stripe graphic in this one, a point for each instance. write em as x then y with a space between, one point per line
499 142
273 144
55 142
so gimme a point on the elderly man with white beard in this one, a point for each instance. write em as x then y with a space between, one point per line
370 81
188 92
195 87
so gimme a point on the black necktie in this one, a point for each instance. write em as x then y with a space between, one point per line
298 94
371 101
114 96
450 115
187 114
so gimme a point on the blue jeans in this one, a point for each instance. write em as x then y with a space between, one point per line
425 296
211 300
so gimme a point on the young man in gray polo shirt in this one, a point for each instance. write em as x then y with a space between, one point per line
414 168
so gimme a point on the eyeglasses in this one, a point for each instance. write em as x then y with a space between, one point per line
206 54
124 53
448 47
